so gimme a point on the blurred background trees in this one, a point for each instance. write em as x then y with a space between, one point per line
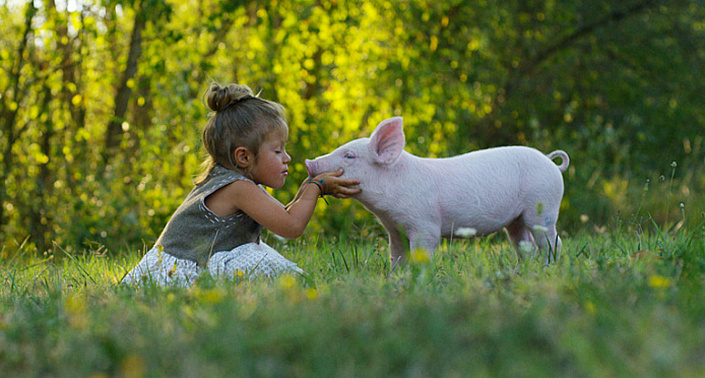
101 101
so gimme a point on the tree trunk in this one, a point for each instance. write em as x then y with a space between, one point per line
39 217
73 56
122 97
9 110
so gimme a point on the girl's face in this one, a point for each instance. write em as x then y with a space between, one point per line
270 168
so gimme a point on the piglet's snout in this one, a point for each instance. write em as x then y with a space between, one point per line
321 165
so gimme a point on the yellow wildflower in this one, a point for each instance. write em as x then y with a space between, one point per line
75 307
312 294
160 253
133 366
659 282
286 282
211 296
420 256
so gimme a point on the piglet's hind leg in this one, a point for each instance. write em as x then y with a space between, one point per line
522 238
548 241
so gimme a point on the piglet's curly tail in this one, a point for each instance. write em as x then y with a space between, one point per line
564 156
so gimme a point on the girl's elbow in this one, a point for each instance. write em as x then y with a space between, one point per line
289 229
290 235
293 233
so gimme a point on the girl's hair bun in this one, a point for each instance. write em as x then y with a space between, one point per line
218 97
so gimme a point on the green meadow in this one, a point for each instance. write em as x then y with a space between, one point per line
101 119
618 303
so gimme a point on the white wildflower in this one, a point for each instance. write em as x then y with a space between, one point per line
539 228
465 232
526 247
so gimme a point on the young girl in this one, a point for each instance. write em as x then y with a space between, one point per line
217 227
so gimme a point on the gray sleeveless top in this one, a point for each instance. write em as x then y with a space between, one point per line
195 233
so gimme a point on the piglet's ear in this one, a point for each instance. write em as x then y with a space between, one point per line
387 141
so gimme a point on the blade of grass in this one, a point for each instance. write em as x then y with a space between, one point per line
81 269
345 261
20 249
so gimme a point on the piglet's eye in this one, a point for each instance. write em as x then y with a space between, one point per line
349 155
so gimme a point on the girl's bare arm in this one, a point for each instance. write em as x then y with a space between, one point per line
286 221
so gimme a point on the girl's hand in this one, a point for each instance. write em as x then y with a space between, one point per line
333 185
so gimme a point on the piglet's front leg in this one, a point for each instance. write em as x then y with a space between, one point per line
403 239
396 244
424 236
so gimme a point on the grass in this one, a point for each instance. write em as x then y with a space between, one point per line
621 303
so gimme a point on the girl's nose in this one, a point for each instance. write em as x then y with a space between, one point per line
287 158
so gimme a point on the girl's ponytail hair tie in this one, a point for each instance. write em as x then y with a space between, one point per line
219 98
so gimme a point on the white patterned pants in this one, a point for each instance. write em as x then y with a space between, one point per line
248 261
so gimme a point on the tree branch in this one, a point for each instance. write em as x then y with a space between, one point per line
515 75
567 41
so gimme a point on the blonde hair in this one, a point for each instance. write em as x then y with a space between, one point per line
239 119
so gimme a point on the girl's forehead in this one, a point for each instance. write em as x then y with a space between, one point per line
276 136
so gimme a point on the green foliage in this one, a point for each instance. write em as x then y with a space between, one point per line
616 303
617 84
